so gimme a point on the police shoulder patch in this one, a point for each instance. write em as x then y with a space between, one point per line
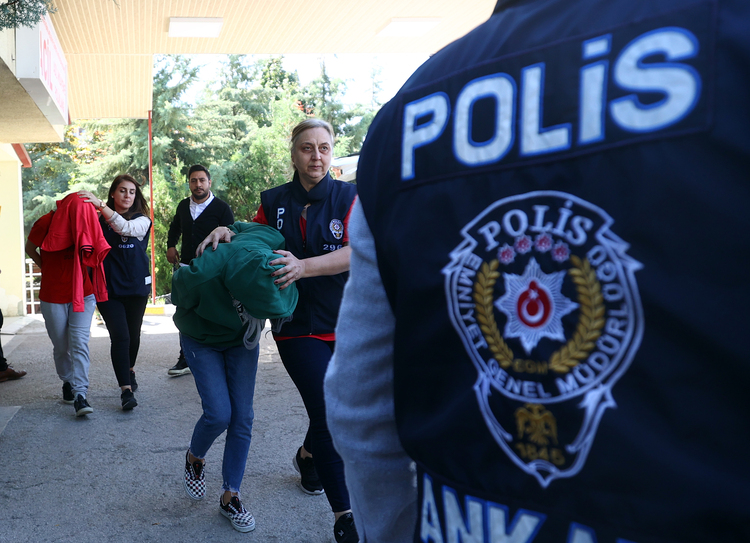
337 228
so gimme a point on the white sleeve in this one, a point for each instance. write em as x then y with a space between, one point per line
134 228
359 401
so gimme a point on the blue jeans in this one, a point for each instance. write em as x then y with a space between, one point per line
306 360
69 332
225 379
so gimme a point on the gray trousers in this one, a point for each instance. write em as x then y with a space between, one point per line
69 332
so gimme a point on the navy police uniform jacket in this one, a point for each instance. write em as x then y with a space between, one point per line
330 201
127 266
559 207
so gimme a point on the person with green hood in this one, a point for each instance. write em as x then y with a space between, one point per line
223 299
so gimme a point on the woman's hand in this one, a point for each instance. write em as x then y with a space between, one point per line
89 197
293 269
217 235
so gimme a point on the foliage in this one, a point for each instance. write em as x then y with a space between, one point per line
323 98
124 145
239 128
166 196
16 13
54 172
246 125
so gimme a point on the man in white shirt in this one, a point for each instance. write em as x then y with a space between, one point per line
194 219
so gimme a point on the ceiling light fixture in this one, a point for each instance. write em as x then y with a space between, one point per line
409 27
195 27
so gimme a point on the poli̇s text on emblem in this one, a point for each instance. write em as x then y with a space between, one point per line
337 228
546 304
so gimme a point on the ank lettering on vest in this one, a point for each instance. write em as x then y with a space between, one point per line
447 517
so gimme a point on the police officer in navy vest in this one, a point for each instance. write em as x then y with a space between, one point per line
546 308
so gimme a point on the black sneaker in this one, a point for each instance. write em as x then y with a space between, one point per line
241 519
82 407
309 480
344 530
68 396
181 368
133 382
128 400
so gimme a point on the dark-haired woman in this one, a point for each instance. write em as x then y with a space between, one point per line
126 228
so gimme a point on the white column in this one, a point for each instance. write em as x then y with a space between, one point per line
11 235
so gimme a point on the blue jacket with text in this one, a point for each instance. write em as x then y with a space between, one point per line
559 207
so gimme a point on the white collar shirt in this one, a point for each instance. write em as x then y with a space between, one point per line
197 209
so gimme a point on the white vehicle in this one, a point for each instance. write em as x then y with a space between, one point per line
345 167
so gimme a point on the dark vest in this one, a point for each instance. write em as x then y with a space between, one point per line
559 206
330 201
127 265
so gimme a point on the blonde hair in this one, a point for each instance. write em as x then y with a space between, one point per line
306 125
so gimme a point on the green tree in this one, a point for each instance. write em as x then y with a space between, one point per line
323 98
15 13
246 123
125 147
54 172
273 76
122 147
239 129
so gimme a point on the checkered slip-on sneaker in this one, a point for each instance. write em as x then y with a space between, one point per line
241 519
195 479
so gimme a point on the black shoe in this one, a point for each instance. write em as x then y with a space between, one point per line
133 383
68 396
128 400
309 480
82 407
181 368
344 530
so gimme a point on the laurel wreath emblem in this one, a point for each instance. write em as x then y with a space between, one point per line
588 329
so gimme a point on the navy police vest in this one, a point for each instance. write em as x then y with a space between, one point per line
330 201
559 205
127 266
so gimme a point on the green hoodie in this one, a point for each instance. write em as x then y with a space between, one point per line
204 291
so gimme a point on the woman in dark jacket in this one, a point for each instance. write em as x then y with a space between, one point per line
126 228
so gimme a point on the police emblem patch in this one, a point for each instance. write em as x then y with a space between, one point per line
545 301
337 228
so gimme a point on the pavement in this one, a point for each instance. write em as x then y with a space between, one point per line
116 476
